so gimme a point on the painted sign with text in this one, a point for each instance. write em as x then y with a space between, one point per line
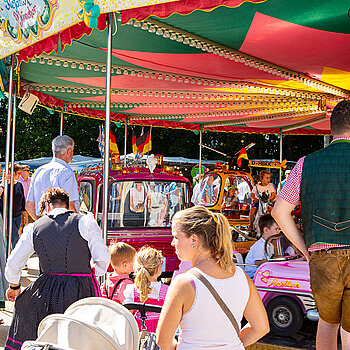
25 22
23 19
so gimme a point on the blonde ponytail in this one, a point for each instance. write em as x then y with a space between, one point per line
146 265
213 230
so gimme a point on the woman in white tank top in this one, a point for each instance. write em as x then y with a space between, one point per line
204 239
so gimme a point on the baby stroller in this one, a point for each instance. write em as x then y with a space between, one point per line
93 323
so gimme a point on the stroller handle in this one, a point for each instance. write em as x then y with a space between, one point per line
143 308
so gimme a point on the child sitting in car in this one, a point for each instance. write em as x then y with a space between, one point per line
147 268
122 258
256 256
229 201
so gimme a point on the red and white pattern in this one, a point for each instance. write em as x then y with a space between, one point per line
291 190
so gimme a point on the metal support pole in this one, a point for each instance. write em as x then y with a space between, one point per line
61 123
200 151
125 139
107 128
281 157
326 140
7 155
9 248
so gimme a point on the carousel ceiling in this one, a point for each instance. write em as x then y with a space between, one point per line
258 66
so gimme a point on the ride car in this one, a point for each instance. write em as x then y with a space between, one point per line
140 206
283 283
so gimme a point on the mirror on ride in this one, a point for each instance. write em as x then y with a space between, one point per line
278 247
209 190
145 203
86 196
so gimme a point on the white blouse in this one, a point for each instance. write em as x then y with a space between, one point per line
88 229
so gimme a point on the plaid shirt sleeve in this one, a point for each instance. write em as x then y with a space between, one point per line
291 190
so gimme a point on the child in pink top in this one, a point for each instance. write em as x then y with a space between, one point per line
122 259
147 267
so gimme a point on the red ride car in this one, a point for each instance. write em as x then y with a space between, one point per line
140 206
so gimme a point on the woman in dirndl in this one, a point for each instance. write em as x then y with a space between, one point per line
65 242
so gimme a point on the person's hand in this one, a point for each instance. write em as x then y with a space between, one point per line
5 178
11 294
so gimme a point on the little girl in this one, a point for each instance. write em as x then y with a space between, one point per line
262 188
147 268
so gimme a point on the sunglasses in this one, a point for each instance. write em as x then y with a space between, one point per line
25 170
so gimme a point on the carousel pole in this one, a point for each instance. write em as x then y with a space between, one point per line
200 152
326 140
4 283
7 155
12 170
107 129
125 139
61 123
281 156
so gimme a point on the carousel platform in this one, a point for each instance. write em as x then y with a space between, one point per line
32 272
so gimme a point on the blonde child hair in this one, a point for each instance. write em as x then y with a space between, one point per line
121 252
146 265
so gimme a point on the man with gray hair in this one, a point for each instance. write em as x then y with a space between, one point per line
57 173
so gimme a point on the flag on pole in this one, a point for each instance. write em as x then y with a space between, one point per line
113 147
242 154
101 140
144 142
133 142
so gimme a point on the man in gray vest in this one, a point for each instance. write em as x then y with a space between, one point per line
320 182
57 173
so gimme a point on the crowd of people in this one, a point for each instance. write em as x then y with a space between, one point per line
67 242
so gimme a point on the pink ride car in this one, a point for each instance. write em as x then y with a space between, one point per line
283 284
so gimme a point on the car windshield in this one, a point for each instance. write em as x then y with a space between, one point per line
145 203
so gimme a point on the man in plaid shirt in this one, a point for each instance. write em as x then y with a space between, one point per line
320 183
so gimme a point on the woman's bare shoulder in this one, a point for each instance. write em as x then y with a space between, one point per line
182 282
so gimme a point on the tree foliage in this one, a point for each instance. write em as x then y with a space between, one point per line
35 132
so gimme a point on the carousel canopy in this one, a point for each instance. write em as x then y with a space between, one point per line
234 65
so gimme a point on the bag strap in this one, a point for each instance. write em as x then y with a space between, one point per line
217 297
115 288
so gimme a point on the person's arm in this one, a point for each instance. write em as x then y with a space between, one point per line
253 195
281 212
255 313
260 262
72 206
30 207
179 299
272 196
17 259
68 182
132 200
92 233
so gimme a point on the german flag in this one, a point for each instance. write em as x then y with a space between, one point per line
144 142
242 154
133 142
113 147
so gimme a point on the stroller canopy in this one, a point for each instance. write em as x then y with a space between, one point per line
91 323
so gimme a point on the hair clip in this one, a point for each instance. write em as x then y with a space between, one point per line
215 218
